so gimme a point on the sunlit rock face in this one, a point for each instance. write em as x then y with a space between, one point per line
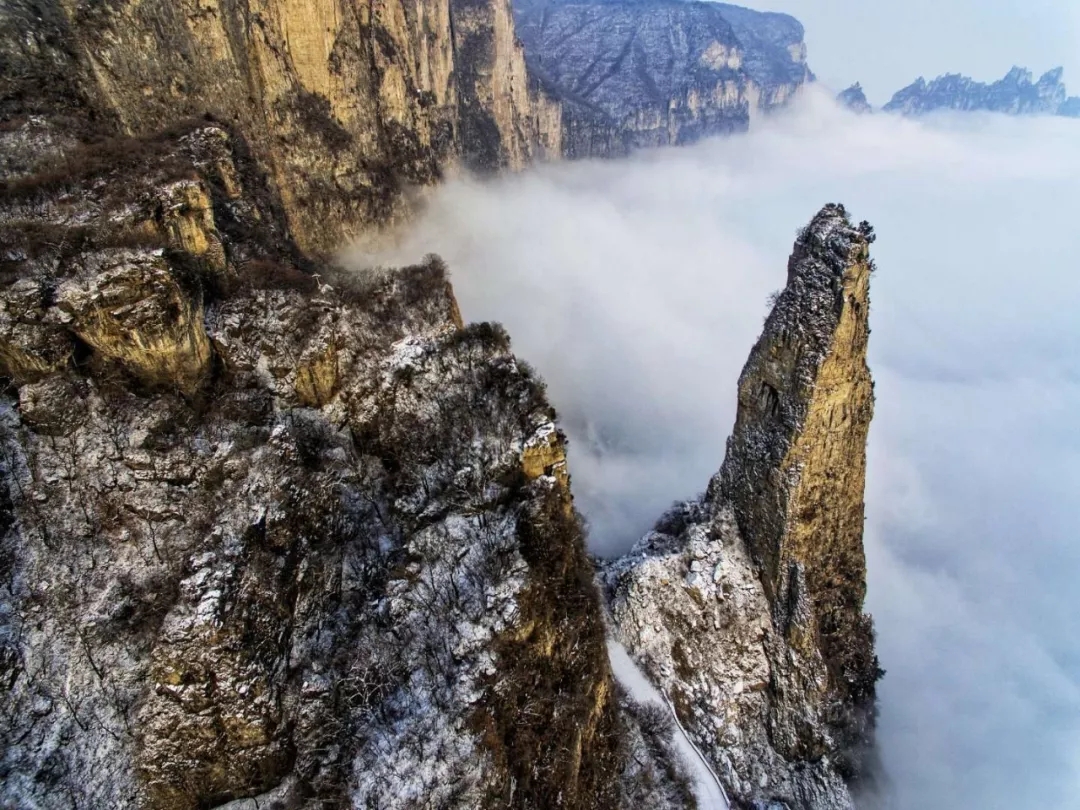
746 606
345 104
1016 94
632 73
269 530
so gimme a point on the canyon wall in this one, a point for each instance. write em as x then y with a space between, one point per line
348 105
634 74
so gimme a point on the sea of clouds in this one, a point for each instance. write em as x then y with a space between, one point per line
637 288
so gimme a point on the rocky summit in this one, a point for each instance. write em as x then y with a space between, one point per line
745 605
278 534
1016 94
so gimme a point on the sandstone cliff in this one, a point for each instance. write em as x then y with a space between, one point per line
746 605
269 533
346 104
632 73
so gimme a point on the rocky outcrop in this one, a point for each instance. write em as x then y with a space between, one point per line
1016 94
746 606
854 98
271 530
346 105
632 74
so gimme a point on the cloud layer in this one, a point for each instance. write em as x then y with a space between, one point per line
637 288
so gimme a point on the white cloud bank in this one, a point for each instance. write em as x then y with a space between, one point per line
637 288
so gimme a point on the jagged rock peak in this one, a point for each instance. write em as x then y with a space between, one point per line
796 462
745 606
854 98
632 73
1015 94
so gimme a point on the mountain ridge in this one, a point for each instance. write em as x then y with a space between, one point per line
1018 93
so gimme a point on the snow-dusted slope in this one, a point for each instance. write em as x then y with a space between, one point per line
707 788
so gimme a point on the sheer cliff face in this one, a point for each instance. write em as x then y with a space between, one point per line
633 74
1016 94
747 605
272 534
346 103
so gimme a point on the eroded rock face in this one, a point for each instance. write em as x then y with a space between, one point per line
128 307
267 534
632 74
746 606
346 104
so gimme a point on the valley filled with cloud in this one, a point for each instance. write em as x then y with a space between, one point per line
637 288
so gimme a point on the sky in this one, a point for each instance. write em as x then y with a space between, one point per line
887 45
637 288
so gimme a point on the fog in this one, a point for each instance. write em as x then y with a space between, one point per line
637 288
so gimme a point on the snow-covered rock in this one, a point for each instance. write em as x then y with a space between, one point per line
270 539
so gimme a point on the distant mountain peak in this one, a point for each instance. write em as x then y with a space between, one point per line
854 98
1017 93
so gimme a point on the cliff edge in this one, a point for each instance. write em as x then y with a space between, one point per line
268 529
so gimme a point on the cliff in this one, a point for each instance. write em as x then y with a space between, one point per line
1016 94
633 73
268 529
346 104
745 606
352 108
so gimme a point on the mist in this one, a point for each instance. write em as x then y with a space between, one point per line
637 288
